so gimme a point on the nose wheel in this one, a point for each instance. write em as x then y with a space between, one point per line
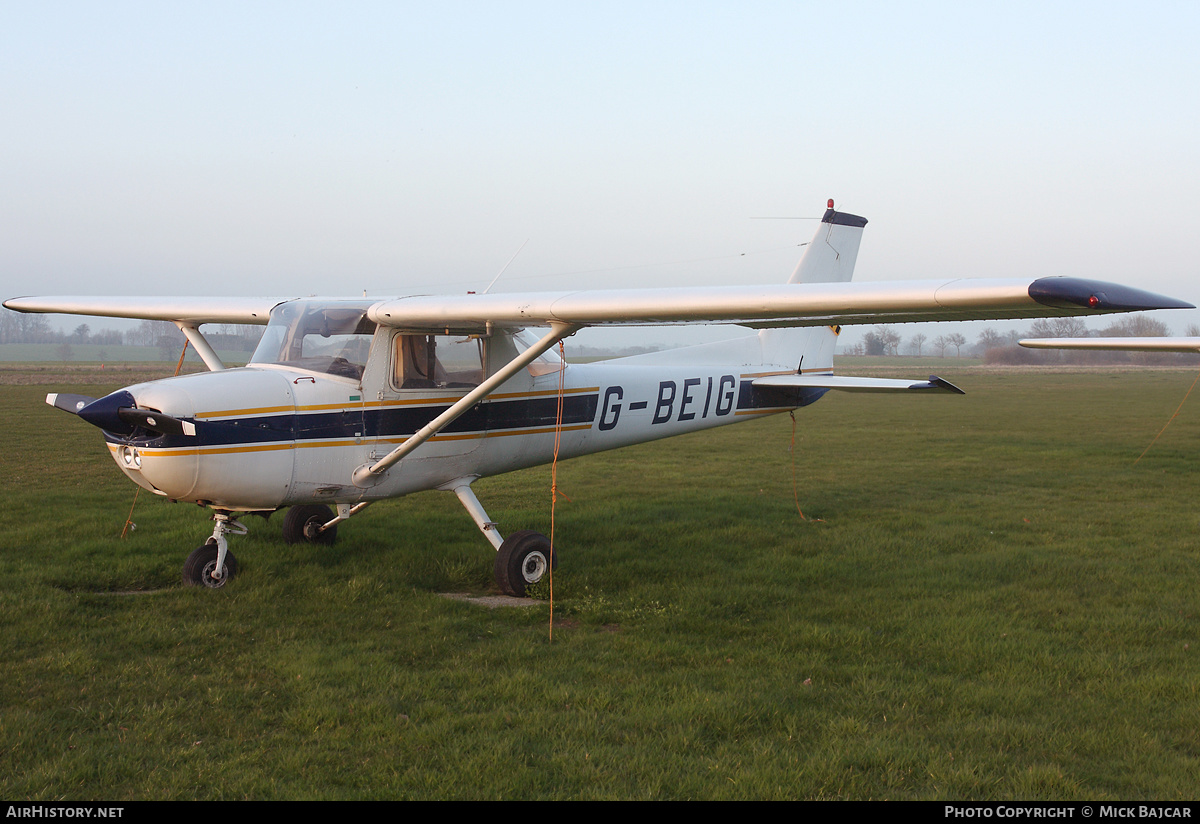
212 565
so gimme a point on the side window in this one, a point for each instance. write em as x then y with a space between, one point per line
437 362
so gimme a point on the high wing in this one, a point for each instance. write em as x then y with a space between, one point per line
192 311
1126 344
792 304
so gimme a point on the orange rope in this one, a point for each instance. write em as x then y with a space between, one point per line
129 520
181 354
792 450
562 370
1168 423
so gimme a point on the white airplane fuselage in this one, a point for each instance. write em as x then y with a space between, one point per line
269 435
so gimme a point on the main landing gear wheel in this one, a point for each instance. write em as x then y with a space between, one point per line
199 567
522 560
301 523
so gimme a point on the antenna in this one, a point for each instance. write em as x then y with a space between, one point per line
501 272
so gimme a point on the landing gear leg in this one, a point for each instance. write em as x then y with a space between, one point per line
213 564
475 509
522 559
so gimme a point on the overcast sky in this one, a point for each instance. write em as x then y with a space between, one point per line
297 148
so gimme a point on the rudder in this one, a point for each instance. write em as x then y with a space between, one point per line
829 258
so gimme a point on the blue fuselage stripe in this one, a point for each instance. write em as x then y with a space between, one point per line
371 423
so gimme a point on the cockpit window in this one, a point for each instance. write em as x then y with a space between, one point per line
332 338
438 362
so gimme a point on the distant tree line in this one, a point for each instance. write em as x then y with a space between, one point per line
17 327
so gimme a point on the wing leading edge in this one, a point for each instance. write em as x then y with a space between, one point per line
188 310
792 304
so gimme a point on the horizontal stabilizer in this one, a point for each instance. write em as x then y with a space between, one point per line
1124 344
852 384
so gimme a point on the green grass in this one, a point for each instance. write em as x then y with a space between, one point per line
989 600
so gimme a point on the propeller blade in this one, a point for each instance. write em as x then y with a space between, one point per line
67 402
156 421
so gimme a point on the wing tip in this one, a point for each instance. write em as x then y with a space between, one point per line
1099 296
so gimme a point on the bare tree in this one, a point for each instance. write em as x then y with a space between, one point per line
892 338
940 343
874 344
882 340
1136 326
957 340
148 332
16 327
1058 328
918 340
989 338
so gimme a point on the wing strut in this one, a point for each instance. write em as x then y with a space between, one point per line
200 343
369 475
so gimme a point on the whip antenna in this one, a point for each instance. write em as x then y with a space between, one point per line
501 272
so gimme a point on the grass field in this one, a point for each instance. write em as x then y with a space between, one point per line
989 600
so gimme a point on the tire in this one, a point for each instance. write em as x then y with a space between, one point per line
523 560
199 566
300 524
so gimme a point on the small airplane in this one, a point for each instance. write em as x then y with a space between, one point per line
350 401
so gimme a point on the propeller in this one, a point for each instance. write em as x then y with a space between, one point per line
118 413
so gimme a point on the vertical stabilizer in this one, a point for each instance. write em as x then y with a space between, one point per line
829 258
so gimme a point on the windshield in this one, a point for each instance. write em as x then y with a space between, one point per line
333 338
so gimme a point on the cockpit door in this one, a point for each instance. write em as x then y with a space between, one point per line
428 373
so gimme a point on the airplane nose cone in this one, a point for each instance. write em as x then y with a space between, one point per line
150 434
165 436
123 415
